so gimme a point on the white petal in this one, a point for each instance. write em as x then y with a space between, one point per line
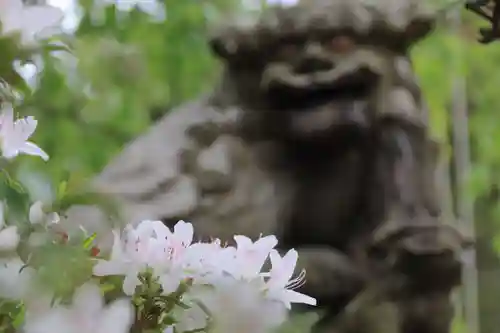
116 250
184 232
190 319
242 241
112 267
130 282
7 133
14 281
7 118
36 214
9 152
117 317
282 268
53 218
9 238
296 297
267 242
289 262
275 258
160 229
170 283
55 320
30 148
25 127
39 18
11 6
88 299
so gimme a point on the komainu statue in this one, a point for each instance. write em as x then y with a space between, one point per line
331 108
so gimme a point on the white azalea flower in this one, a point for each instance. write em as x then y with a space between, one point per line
251 256
31 22
15 280
239 306
38 216
36 213
9 236
86 314
180 239
14 135
187 320
203 259
139 249
228 280
280 283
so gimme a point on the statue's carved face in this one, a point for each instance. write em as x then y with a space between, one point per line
313 84
314 71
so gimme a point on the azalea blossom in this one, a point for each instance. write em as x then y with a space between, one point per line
178 241
140 248
226 280
151 245
15 278
280 285
9 236
31 22
124 261
14 135
38 216
87 313
190 319
249 256
239 306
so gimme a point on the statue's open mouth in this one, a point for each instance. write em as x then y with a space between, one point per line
283 96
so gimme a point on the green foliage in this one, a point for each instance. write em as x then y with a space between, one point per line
131 70
451 54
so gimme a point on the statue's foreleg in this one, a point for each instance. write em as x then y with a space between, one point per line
412 240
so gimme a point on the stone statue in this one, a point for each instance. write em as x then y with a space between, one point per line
332 110
317 134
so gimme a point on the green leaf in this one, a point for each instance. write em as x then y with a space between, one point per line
107 287
19 317
61 190
88 243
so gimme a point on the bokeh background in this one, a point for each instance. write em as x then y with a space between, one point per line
137 61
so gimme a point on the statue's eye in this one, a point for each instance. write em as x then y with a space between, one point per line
341 44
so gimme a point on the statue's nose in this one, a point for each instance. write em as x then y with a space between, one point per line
313 59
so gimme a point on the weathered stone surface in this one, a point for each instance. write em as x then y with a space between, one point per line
174 172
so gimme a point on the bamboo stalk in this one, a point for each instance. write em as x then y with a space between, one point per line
462 166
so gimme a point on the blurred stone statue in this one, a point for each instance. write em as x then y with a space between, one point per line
317 133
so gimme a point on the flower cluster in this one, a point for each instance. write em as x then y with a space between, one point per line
226 287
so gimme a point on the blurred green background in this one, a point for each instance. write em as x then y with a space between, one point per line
133 69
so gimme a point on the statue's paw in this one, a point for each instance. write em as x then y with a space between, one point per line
427 253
